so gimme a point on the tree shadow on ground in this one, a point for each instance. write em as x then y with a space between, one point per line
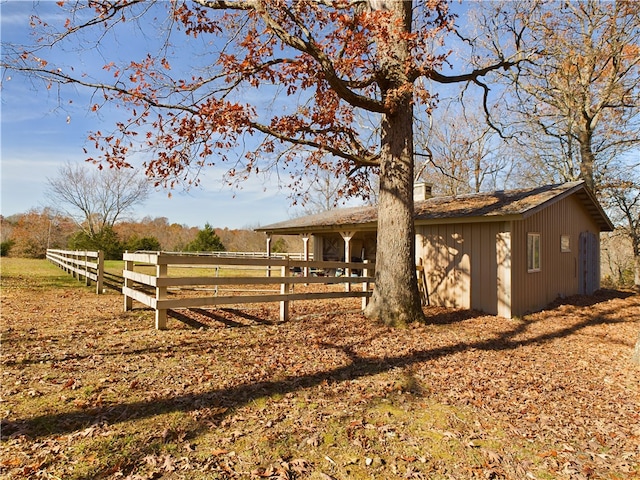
448 316
240 395
599 296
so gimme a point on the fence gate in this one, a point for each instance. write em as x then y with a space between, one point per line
589 263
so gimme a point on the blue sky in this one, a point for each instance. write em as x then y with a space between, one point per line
39 134
41 130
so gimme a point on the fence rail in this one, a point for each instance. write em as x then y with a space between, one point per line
292 256
152 289
81 264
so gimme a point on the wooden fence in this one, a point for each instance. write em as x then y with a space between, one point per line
81 264
158 274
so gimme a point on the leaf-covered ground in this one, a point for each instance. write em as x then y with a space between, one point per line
92 392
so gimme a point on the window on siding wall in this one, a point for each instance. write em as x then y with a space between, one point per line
533 252
565 243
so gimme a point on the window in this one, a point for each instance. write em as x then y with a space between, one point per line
533 252
565 243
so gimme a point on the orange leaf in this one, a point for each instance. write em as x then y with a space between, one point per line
550 453
11 462
69 384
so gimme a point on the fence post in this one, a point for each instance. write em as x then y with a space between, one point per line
284 289
161 294
365 285
100 273
128 283
87 279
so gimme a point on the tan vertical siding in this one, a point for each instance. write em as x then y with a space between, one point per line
445 254
487 278
558 276
460 264
318 246
467 266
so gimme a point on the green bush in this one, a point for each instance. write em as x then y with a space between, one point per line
107 240
5 248
145 243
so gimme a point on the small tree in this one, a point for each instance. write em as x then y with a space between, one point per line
206 241
279 246
623 196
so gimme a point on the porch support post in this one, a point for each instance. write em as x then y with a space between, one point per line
268 253
305 253
347 236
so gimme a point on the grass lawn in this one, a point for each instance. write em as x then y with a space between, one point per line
91 391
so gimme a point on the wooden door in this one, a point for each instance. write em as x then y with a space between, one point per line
589 263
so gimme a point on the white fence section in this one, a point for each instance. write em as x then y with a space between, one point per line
81 264
150 277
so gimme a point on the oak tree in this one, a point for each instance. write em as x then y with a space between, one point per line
324 64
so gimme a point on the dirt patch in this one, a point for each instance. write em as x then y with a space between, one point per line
90 391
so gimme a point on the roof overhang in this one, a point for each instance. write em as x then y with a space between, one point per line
319 229
494 209
588 200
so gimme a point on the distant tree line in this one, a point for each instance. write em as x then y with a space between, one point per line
91 205
29 235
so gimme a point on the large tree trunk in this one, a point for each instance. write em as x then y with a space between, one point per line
636 261
395 299
635 357
587 160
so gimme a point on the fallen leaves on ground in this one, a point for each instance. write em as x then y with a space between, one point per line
90 391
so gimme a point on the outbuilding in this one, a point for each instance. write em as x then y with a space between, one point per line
505 253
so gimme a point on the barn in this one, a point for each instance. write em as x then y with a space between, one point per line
505 253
